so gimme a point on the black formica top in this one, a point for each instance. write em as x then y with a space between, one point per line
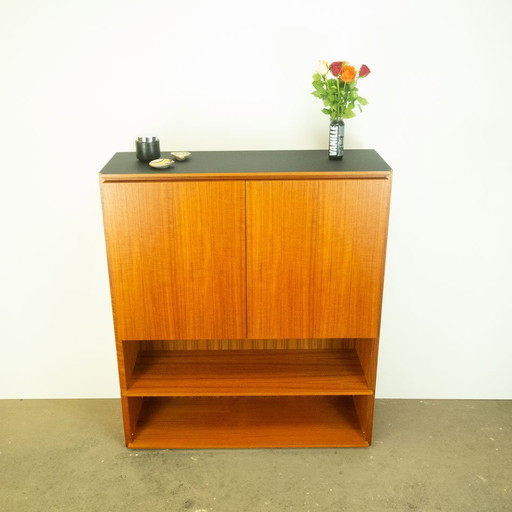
205 162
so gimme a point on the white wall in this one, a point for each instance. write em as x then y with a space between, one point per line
79 80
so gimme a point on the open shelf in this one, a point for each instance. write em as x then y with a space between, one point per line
247 373
248 422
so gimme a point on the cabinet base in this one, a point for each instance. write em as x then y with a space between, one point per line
248 422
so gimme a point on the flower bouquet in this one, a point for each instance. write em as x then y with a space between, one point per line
340 96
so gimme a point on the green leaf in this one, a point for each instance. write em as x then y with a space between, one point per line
363 101
326 111
348 114
317 77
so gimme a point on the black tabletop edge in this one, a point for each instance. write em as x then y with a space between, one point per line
253 161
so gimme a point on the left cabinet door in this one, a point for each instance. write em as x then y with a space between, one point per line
176 253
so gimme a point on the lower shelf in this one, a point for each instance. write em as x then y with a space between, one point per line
247 373
248 422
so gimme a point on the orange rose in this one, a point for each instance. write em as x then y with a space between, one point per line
348 73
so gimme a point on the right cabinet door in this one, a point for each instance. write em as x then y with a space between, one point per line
315 257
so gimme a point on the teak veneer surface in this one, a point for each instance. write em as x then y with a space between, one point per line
176 254
248 373
248 422
245 344
315 257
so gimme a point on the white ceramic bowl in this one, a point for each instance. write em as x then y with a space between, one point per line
181 155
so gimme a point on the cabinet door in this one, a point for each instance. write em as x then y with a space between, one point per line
316 254
176 254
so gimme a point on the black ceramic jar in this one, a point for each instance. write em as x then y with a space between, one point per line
148 148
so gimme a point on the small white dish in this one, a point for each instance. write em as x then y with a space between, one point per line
181 155
161 163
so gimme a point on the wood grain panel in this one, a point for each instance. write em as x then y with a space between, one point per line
248 422
365 406
176 253
131 410
315 257
174 176
284 344
248 373
126 357
368 350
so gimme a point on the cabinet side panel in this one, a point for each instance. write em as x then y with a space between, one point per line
127 353
315 256
364 408
131 411
367 351
176 254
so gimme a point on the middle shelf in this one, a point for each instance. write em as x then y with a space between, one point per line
247 373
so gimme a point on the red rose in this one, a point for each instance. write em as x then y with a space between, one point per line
364 71
335 67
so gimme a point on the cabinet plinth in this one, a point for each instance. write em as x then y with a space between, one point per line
246 291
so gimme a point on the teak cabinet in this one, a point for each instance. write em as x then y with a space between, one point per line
246 292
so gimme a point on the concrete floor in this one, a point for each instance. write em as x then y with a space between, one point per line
428 455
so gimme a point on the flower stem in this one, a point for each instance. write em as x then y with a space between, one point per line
338 110
344 96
